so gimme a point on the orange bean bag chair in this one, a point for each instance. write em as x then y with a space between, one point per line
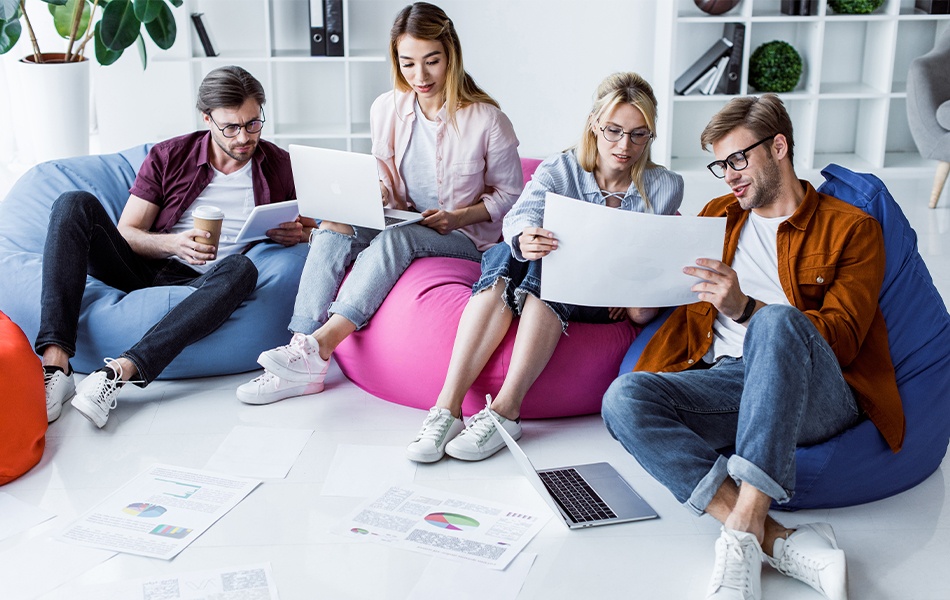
23 422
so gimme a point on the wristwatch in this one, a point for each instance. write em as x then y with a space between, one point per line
747 311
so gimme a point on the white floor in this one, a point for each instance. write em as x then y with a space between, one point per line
896 548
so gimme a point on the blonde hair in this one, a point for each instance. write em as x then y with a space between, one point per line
426 21
616 89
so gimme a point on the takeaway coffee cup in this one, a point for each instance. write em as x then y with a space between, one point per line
209 218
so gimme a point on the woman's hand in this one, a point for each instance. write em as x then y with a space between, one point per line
384 192
536 243
187 247
443 221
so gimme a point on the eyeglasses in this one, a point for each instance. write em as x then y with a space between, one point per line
638 137
736 160
232 130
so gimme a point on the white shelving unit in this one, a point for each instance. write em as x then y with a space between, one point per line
850 104
312 100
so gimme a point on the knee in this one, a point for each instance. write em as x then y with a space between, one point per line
619 406
242 271
778 323
70 206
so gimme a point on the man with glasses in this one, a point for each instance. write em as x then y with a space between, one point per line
787 347
156 243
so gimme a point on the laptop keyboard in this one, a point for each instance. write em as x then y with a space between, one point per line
393 220
577 498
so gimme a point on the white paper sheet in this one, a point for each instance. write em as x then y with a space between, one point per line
444 524
376 465
609 257
17 516
259 452
41 564
441 580
160 512
249 582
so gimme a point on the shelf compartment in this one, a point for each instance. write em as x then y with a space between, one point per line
232 37
310 93
367 81
855 128
804 36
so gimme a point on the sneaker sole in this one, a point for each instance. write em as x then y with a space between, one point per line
88 411
424 458
259 400
282 371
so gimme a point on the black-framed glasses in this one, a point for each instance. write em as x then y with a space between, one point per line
736 160
232 130
638 137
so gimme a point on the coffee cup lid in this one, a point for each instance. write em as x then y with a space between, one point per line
208 212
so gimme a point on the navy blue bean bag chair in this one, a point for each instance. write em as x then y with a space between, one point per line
857 466
111 321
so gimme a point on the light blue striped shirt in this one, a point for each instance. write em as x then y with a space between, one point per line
563 175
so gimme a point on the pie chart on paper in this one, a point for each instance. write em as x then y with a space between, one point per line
451 521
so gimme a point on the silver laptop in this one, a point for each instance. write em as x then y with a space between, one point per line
340 186
583 495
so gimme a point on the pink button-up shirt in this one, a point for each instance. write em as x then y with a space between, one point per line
476 160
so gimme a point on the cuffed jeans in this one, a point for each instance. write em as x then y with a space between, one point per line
379 258
787 391
83 239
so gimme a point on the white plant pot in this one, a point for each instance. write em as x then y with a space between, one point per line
50 104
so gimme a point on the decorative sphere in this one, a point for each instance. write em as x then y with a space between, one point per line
716 7
775 67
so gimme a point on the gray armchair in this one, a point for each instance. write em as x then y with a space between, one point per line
928 108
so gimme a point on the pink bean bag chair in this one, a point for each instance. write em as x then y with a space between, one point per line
403 354
23 423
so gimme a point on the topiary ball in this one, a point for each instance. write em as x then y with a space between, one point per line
775 67
854 7
716 7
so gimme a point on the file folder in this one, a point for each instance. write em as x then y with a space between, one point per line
318 43
334 25
706 62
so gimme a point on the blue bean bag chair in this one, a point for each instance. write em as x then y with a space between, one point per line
111 321
857 466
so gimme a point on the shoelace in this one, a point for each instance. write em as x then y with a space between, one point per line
480 426
732 573
109 387
433 428
804 566
265 378
298 349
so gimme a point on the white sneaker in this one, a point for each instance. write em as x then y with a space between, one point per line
480 440
60 387
738 571
270 388
96 394
297 361
438 428
811 555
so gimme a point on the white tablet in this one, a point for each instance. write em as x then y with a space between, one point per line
264 217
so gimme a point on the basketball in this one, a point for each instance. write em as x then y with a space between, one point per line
716 7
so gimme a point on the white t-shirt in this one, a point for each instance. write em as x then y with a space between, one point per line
418 164
234 195
756 265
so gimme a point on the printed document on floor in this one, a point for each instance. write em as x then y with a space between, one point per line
618 258
160 512
248 582
444 524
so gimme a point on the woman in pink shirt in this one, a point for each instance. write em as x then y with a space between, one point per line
444 149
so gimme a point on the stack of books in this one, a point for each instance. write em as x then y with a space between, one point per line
719 69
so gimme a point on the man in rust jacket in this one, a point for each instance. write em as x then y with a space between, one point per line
786 347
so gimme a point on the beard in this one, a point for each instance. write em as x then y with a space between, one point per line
765 190
227 148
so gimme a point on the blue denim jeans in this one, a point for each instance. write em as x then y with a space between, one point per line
83 239
379 258
523 278
787 391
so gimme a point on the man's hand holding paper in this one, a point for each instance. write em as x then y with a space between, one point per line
607 257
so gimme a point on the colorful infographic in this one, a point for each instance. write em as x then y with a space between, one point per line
451 521
143 509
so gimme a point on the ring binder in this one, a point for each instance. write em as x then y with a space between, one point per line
318 44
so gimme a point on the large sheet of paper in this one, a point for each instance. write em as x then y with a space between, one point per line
249 582
259 452
444 524
17 516
42 564
160 512
609 257
377 466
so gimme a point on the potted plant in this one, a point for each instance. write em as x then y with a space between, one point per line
44 82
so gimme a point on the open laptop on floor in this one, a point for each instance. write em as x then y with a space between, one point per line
583 495
340 186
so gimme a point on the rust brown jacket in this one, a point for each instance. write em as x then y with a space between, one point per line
831 266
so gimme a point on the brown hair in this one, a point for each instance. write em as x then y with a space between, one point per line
426 21
763 116
228 87
620 88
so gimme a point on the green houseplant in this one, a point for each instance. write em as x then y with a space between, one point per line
775 67
854 7
111 25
